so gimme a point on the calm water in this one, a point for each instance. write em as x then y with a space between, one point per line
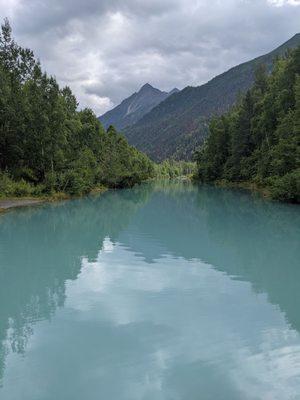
164 292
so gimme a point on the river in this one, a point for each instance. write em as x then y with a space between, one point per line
167 291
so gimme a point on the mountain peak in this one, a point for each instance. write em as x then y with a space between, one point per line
179 124
147 86
134 107
175 90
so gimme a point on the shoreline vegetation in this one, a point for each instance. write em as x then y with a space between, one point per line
257 144
48 148
15 194
7 203
51 151
167 170
249 186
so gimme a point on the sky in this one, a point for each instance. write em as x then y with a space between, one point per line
107 49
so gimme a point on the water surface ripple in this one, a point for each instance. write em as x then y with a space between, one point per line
168 291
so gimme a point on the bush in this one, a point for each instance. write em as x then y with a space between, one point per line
286 188
21 188
77 182
24 173
6 185
50 182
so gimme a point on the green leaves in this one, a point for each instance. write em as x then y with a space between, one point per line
259 140
45 142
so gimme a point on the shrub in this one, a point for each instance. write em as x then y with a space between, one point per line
286 188
6 185
21 188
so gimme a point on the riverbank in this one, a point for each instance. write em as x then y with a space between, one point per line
273 191
13 203
7 204
250 186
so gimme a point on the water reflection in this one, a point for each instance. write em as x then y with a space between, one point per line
244 236
164 292
41 248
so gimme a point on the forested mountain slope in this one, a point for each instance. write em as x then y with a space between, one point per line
179 124
134 107
259 140
46 145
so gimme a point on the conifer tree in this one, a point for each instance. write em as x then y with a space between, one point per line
262 139
46 142
297 108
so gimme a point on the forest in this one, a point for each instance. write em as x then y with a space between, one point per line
172 169
46 145
180 123
258 141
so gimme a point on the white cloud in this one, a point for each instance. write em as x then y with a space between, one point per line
280 3
105 50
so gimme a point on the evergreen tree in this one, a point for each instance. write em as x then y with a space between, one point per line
47 145
261 141
297 108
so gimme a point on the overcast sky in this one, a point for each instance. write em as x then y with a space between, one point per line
106 49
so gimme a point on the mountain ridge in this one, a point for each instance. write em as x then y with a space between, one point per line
134 107
176 126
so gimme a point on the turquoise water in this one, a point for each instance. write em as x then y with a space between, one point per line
167 291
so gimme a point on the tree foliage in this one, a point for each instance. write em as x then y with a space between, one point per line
179 124
45 140
170 169
259 140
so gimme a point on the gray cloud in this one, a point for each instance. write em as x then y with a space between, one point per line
106 49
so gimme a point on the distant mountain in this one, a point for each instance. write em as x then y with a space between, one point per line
134 107
179 124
